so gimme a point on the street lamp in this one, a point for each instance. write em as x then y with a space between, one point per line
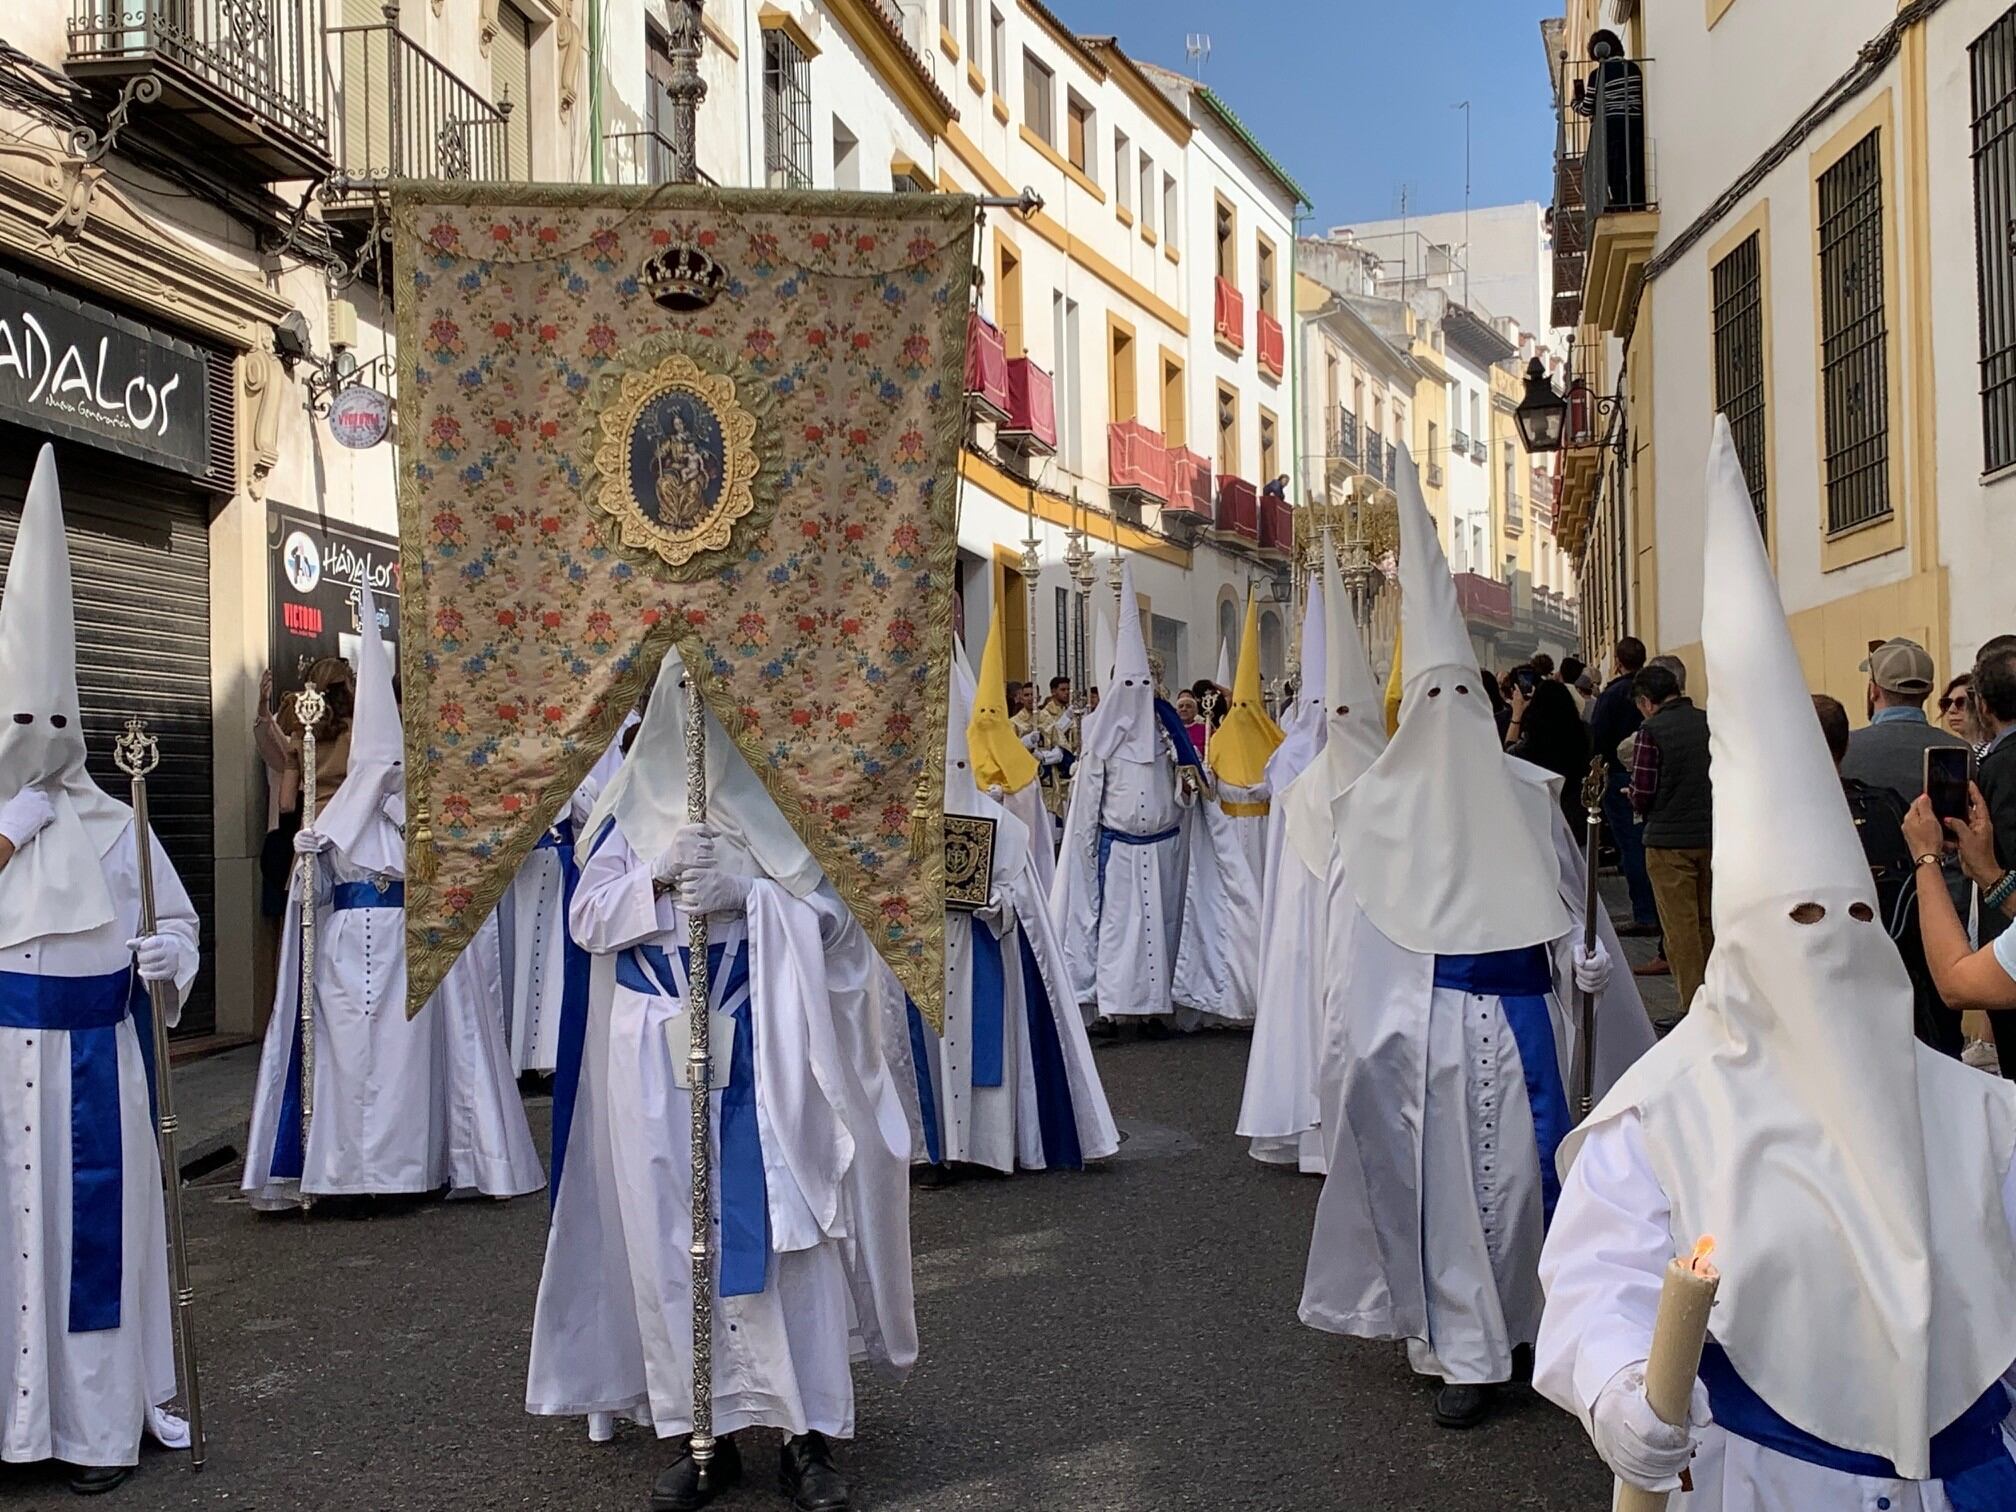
1542 414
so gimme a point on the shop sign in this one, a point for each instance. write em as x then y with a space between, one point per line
360 416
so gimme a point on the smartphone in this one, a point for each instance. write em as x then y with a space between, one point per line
1527 679
1948 771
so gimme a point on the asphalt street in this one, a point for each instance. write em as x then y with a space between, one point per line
1121 1340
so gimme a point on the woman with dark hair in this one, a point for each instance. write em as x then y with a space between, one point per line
1548 731
1956 710
1500 710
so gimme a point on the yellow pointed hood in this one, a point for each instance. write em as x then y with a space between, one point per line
1393 686
1240 748
999 757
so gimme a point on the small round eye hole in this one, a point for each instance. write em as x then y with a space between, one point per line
1808 913
1434 692
59 720
1462 688
1343 709
1861 911
1129 682
24 719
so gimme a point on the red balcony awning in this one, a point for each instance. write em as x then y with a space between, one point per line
1238 508
1229 314
1273 343
1136 459
1189 483
1032 405
986 367
1277 524
1483 600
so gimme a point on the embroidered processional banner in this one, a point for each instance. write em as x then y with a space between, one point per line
724 420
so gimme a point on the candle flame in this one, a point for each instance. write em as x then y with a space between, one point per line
1703 1248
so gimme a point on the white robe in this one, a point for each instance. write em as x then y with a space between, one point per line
1120 940
612 1334
1027 805
1218 958
400 1105
84 1397
1002 1126
532 922
1602 1268
1279 1111
1431 1218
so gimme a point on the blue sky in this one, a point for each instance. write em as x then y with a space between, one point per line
1355 97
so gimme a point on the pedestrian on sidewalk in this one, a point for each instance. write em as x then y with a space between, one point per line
88 1339
1613 718
1670 791
1889 751
1994 700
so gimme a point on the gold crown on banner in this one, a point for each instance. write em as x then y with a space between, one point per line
684 277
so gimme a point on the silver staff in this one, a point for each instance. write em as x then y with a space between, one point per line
309 707
699 1063
137 753
1593 787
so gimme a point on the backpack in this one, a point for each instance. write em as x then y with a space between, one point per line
1879 824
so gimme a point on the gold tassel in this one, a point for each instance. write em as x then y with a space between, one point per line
920 821
421 858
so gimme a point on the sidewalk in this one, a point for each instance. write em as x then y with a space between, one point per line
1662 998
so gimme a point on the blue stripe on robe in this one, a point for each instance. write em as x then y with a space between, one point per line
1522 981
575 966
1179 737
88 1011
1968 1455
927 1090
745 1191
1056 1120
990 993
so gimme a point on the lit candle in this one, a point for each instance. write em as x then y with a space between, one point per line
1678 1335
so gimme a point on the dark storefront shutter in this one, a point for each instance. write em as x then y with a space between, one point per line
140 560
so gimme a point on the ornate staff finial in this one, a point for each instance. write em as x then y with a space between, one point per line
136 753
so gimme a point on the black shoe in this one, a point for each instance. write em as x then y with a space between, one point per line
1156 1029
96 1480
808 1476
1103 1029
1522 1364
934 1177
679 1489
1462 1406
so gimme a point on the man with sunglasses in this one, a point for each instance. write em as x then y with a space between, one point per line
1889 752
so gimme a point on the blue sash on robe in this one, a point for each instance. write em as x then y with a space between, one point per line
575 964
1056 1120
1968 1455
745 1191
1179 737
1108 838
1522 981
290 1156
89 1010
990 993
927 1090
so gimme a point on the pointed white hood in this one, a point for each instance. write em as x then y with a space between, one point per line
1223 678
1354 729
1852 1177
1102 656
648 796
365 820
1303 725
1450 854
55 885
1124 727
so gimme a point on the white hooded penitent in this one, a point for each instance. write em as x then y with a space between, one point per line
54 886
1302 724
360 818
648 796
1124 727
1450 853
1851 1177
1354 718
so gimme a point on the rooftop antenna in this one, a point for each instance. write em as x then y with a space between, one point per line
1197 47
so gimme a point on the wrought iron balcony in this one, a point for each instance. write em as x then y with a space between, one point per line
1480 449
237 82
1434 472
1346 443
1376 458
637 157
402 114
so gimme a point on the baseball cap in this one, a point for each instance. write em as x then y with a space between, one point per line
1900 666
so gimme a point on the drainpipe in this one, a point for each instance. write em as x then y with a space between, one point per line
594 91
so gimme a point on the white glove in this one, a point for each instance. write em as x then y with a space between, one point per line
394 808
997 792
310 842
692 849
23 816
1592 969
157 956
1641 1448
1031 740
1051 756
712 892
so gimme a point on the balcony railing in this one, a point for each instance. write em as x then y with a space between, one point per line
1459 443
1434 471
1480 449
1345 445
1238 508
1032 409
1484 600
1616 168
1571 243
242 80
1540 489
1375 458
1136 460
402 114
1189 484
1277 524
637 157
986 369
1272 342
1228 315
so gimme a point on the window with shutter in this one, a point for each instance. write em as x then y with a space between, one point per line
511 79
